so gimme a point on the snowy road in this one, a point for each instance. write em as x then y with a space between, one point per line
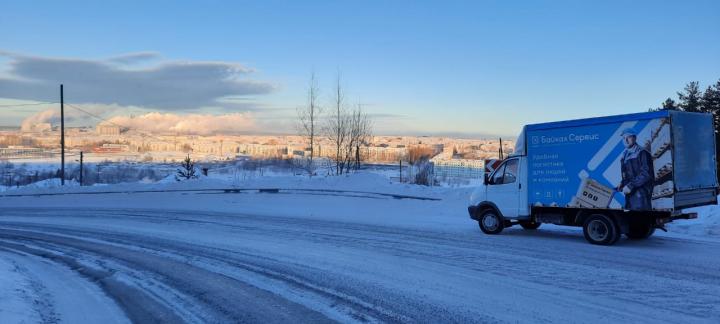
149 265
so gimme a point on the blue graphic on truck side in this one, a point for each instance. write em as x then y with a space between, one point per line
582 166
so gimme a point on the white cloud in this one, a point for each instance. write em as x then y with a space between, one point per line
165 85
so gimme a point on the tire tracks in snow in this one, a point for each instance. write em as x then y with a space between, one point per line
136 304
347 302
342 307
33 292
606 280
226 300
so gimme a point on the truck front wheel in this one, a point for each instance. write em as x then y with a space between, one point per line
601 229
491 222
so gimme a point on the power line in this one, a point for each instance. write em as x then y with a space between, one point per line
118 125
110 122
29 104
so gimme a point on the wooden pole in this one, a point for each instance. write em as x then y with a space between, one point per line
62 137
400 171
81 168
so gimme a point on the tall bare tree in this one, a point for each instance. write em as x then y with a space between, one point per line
308 117
338 126
360 134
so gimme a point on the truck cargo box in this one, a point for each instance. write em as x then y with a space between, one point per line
577 163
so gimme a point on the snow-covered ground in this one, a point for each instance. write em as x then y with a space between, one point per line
314 256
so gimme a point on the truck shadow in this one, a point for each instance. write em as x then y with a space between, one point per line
576 235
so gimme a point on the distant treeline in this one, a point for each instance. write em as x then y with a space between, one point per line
693 99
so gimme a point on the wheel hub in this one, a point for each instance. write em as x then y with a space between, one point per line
597 230
490 222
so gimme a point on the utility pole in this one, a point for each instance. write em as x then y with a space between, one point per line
500 150
81 168
401 171
62 137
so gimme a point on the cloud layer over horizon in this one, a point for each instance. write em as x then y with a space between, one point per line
52 116
190 124
163 85
154 122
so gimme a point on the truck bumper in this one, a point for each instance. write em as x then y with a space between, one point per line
662 221
472 211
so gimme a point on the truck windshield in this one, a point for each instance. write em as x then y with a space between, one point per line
506 173
511 169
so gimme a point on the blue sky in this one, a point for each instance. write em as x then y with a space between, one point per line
421 67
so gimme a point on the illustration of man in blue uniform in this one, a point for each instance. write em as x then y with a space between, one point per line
637 173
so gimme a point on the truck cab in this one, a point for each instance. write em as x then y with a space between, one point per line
501 200
504 188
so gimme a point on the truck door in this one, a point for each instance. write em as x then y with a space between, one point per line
503 188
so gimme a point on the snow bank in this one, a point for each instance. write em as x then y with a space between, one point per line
706 225
361 181
44 186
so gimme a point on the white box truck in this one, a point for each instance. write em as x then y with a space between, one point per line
625 174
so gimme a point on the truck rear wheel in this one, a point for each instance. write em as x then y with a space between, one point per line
601 230
640 231
491 222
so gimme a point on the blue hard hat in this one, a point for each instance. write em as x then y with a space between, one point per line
628 132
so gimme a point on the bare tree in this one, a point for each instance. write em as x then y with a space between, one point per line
359 128
423 175
360 135
416 154
338 126
308 117
6 168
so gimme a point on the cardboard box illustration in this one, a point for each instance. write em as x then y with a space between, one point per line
592 194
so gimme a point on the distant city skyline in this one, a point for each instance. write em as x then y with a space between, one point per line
115 142
463 69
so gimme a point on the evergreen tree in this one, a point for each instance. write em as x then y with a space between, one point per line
711 104
690 99
711 101
186 170
669 104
